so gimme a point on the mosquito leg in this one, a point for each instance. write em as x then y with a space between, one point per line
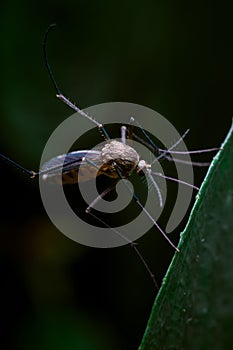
172 179
130 131
132 244
32 173
123 135
136 199
60 95
164 153
182 161
155 148
192 152
18 166
101 196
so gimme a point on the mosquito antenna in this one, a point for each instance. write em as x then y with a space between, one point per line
60 95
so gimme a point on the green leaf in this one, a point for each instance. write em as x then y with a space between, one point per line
194 308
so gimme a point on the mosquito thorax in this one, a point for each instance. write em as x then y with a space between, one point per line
123 156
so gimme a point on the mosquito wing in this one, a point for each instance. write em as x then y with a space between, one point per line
70 165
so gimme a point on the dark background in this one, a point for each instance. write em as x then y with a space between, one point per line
174 57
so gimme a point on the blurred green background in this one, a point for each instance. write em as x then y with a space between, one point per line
174 57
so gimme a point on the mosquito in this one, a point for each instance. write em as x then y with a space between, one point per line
116 160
